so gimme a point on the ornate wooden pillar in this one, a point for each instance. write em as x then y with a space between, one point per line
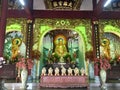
96 50
29 38
96 45
96 40
94 3
3 25
29 30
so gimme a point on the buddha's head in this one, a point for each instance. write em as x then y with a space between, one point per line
60 41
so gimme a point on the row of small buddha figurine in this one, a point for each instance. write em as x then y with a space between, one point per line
70 71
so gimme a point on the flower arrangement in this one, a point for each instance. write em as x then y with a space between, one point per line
89 55
36 54
103 63
24 63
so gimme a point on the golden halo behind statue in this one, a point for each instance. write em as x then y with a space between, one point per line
59 38
17 41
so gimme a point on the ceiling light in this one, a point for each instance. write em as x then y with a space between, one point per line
107 3
22 2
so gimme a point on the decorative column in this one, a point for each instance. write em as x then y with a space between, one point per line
29 31
96 39
29 38
96 45
29 43
3 25
29 34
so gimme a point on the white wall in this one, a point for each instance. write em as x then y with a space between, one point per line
86 5
39 5
98 1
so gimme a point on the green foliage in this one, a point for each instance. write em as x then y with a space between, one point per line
67 58
55 58
7 50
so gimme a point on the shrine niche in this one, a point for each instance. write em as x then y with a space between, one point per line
62 42
63 46
110 37
14 39
110 31
13 46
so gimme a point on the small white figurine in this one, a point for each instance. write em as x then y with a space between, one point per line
56 71
70 71
43 71
82 72
76 71
63 71
50 71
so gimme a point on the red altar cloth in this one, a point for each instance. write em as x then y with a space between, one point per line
64 81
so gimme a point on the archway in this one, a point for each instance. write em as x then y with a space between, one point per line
73 45
114 41
112 34
81 27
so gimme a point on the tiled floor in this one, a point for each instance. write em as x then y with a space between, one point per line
111 85
35 86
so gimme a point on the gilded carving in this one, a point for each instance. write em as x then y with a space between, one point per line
45 25
29 21
104 23
20 21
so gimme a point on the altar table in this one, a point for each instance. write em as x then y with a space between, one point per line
64 81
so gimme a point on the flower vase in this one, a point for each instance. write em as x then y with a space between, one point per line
24 75
103 78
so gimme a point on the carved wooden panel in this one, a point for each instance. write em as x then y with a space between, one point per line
114 73
8 71
64 81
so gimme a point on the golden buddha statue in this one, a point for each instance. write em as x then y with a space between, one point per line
60 48
16 42
106 48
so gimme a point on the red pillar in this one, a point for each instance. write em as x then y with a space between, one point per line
94 3
29 29
3 25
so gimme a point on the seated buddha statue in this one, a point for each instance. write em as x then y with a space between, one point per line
16 42
61 49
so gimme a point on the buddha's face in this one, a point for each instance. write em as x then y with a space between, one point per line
61 42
